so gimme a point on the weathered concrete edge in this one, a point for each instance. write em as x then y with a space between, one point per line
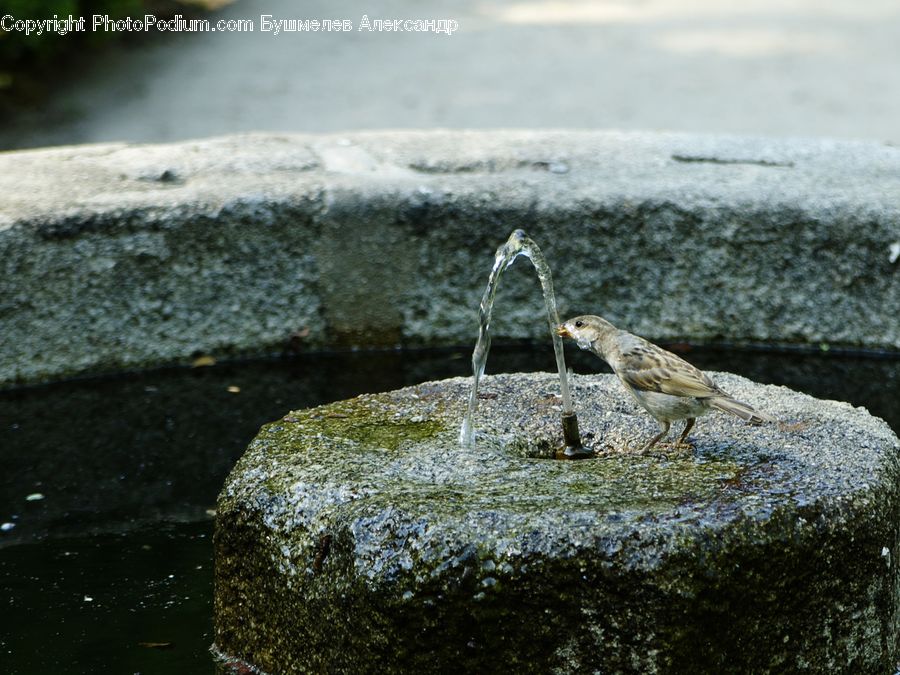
123 256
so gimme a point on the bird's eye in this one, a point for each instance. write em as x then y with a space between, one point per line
579 324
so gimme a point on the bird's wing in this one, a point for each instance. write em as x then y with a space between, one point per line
647 367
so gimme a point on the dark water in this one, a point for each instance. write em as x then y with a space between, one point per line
111 571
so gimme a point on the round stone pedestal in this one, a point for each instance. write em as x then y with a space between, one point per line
359 537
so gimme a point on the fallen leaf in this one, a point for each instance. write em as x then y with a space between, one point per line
202 361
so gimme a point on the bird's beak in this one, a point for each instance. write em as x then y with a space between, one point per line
562 331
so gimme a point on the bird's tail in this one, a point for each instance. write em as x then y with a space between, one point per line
742 410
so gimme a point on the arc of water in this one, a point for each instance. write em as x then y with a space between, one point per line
518 244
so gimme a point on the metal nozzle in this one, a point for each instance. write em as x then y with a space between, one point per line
574 449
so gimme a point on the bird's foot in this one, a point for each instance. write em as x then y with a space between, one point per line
634 447
656 450
663 451
653 449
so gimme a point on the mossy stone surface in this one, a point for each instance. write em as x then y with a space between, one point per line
359 537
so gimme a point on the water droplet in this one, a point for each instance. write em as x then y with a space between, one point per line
894 252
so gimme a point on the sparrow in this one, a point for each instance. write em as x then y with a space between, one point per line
665 385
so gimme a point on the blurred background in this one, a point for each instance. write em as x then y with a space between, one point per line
771 67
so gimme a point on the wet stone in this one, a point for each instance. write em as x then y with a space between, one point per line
359 537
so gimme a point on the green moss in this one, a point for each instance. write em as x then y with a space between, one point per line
523 483
365 420
388 434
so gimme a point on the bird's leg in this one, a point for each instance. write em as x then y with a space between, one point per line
682 440
653 441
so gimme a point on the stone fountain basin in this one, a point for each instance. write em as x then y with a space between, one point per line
360 536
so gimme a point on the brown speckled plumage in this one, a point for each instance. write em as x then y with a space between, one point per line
665 385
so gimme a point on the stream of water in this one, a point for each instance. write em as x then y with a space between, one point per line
518 244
